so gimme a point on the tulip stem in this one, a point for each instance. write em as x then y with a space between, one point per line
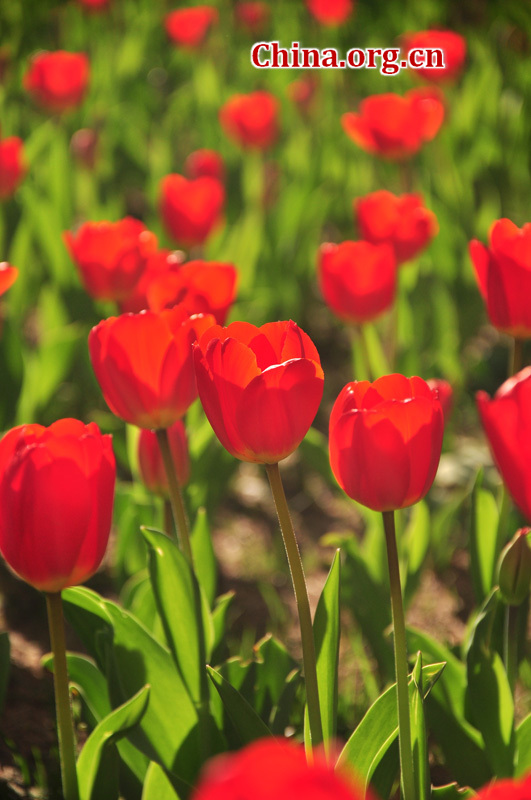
516 357
169 527
510 644
303 603
176 498
65 726
401 665
361 366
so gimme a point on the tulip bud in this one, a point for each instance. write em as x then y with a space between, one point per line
514 569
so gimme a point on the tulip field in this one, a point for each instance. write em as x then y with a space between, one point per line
265 400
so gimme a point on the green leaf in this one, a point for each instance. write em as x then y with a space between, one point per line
273 664
492 709
158 785
452 792
327 629
419 743
373 618
219 620
460 742
131 657
97 765
415 543
378 729
247 723
483 540
5 651
89 682
204 557
523 747
190 631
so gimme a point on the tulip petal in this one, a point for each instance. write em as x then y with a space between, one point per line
278 407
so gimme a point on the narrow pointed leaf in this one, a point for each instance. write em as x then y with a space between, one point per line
378 729
97 765
247 723
204 557
182 608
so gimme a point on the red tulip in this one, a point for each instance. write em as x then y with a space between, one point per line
94 5
188 27
399 220
8 276
506 419
57 81
12 165
503 273
302 92
84 147
357 279
56 496
385 441
203 163
253 15
144 364
395 127
445 393
191 209
111 256
330 12
274 768
202 286
157 264
454 49
507 789
150 462
260 387
251 120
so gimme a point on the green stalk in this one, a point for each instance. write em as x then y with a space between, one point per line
176 499
303 603
516 357
510 644
65 726
361 368
401 666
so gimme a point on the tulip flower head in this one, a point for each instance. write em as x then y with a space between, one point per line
12 165
56 496
357 279
506 420
507 789
111 256
385 441
251 120
399 220
454 52
445 392
144 364
205 162
8 276
188 27
94 6
275 768
191 209
252 15
202 286
150 461
58 81
302 92
503 273
393 126
330 12
260 387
